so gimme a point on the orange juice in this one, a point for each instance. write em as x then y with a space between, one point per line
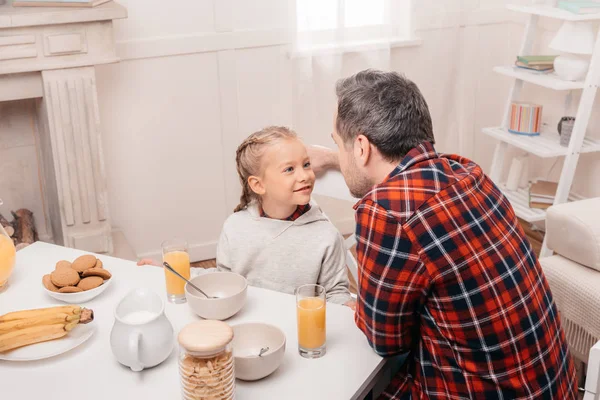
180 261
311 322
7 257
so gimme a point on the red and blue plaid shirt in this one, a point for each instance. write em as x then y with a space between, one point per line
447 273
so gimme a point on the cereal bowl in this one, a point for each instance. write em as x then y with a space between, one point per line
229 288
248 340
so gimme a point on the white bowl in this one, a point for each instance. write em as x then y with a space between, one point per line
80 297
229 287
248 339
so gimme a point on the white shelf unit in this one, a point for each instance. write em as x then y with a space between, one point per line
547 144
519 199
549 81
543 10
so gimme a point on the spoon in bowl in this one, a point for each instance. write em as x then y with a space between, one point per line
167 266
263 351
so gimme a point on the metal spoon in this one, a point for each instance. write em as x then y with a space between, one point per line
263 351
167 266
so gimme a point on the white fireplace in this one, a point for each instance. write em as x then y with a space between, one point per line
47 59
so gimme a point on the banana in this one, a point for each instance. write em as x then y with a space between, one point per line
22 328
34 334
50 319
39 312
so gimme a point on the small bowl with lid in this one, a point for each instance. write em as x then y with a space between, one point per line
206 365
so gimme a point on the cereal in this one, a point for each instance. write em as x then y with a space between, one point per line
207 378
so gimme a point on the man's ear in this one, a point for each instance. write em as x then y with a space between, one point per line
256 185
362 150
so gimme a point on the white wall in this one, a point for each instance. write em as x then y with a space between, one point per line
188 90
191 86
198 78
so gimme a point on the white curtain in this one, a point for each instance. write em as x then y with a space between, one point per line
334 39
461 42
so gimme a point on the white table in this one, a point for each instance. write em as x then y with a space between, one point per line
347 371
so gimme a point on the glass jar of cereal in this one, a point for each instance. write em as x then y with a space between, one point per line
206 361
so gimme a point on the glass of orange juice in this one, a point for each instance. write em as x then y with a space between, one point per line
7 257
311 311
175 252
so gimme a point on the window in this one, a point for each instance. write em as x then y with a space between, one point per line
320 22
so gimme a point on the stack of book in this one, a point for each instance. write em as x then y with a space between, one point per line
536 63
541 194
580 7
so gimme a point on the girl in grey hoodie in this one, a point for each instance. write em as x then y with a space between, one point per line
277 237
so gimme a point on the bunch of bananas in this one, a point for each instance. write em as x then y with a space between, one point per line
22 328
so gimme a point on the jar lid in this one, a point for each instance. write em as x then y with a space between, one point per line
205 337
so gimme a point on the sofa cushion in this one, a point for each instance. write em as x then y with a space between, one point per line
573 231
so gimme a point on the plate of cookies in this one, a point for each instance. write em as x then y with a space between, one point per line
78 281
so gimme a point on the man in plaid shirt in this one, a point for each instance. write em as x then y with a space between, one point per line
445 270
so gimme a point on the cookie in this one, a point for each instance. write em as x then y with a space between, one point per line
99 264
63 264
64 277
91 282
101 272
48 283
70 289
84 262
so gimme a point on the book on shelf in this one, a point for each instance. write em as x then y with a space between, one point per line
539 206
58 3
580 7
536 60
542 193
539 68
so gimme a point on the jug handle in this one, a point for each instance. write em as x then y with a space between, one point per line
134 351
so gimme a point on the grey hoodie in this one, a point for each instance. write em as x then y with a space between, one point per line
282 255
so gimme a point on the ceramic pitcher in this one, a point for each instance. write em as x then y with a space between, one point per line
142 336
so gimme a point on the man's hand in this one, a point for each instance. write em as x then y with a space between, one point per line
322 159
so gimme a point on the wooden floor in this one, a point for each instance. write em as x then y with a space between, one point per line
535 237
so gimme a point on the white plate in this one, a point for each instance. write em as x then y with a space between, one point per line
39 351
79 297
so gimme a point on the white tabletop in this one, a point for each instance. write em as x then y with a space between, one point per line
91 372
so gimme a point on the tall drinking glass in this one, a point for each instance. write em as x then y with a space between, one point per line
175 252
7 257
311 311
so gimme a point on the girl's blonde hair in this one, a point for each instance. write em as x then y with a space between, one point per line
249 155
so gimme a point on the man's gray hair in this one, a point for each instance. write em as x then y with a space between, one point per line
387 108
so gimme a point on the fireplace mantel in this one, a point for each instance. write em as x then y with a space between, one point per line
50 54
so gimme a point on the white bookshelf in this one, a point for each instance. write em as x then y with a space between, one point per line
546 145
548 80
519 199
543 10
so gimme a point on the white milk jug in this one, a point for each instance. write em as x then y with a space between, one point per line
142 336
